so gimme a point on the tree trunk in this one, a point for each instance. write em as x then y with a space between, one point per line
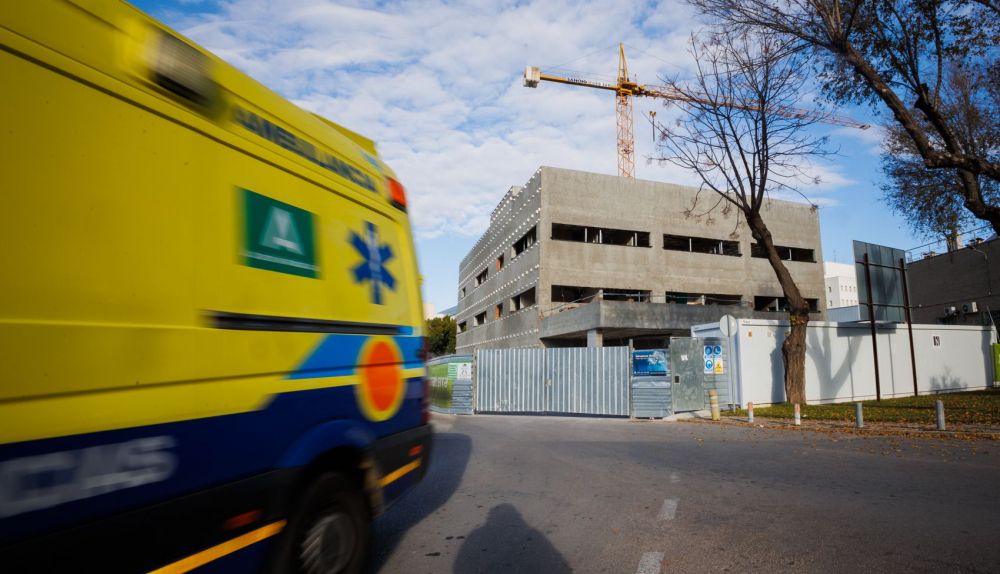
975 203
793 350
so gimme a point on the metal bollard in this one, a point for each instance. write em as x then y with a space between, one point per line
798 415
713 401
859 416
939 408
750 412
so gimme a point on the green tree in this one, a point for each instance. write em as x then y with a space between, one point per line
441 336
933 200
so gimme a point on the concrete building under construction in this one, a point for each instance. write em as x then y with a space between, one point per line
581 259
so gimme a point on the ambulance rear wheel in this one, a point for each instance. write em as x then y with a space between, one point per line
330 530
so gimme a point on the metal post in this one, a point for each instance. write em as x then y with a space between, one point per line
631 402
798 415
859 416
750 412
909 324
939 411
871 319
713 402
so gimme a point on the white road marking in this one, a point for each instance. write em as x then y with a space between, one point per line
674 477
668 510
650 563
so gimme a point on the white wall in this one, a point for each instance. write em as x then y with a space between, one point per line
839 364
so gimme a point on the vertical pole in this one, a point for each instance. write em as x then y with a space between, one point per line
733 399
909 324
798 415
871 319
713 403
631 402
939 412
859 416
750 412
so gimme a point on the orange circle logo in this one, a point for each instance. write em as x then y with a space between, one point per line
380 389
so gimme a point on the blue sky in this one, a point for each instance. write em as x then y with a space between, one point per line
437 84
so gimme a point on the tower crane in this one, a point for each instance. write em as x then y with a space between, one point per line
625 89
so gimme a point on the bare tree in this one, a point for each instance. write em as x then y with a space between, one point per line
896 53
738 134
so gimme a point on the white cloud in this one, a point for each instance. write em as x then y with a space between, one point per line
437 85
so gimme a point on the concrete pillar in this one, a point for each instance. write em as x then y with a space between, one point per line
595 338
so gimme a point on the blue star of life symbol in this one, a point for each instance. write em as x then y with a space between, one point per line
373 267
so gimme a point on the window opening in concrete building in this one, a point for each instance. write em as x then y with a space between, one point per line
571 294
684 298
526 241
723 299
703 298
479 319
462 327
461 294
635 295
780 304
785 253
500 262
497 310
701 245
522 300
601 235
481 278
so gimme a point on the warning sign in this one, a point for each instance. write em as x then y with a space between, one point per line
719 370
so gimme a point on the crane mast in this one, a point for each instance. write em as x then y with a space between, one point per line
625 89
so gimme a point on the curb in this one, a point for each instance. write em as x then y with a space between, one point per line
688 416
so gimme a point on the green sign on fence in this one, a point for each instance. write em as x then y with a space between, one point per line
441 385
996 363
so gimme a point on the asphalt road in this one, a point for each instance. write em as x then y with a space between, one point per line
537 494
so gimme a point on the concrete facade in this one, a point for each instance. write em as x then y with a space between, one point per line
601 273
966 279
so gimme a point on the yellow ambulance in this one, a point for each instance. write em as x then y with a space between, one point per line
210 319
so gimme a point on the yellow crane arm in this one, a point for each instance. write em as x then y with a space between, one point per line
532 76
668 93
625 88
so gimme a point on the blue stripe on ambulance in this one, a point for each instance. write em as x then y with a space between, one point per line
217 450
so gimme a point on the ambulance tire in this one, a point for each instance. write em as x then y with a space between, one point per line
329 532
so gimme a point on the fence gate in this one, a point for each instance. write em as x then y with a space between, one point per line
587 380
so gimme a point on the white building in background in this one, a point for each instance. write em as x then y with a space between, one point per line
841 285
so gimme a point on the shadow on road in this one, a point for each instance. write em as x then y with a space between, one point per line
506 543
449 457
